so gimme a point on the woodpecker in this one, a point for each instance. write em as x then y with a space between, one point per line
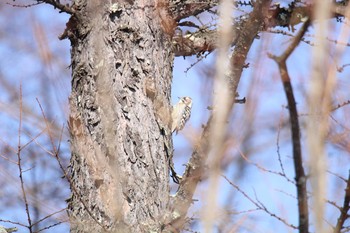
181 113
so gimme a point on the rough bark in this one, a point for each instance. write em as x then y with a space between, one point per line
119 120
120 113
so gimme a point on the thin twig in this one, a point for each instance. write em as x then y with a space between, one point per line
48 216
266 170
47 126
56 154
336 175
13 222
23 6
278 147
56 4
8 159
242 212
340 106
259 205
19 149
32 138
48 227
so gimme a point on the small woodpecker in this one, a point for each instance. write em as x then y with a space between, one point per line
181 113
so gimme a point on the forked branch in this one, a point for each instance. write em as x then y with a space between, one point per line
344 210
196 166
300 177
56 4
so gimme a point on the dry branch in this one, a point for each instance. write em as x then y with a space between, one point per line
259 205
56 4
186 8
19 164
300 177
195 167
344 210
204 40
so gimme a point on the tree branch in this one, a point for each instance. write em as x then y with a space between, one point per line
19 164
300 177
181 9
195 43
344 210
204 40
259 205
195 167
56 4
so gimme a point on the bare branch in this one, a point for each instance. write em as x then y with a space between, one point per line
12 222
340 105
48 216
195 43
338 176
48 227
185 8
204 40
56 4
259 205
19 163
300 177
344 210
23 6
278 148
282 174
195 167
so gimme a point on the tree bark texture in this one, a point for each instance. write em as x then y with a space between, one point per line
120 116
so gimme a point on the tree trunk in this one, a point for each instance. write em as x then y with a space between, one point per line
120 116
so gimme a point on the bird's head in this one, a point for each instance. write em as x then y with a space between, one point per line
186 100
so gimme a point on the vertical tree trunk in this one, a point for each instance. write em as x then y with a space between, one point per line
119 120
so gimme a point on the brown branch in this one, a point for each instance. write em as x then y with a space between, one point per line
295 14
195 43
188 184
282 174
195 167
185 8
300 177
23 6
340 106
205 40
19 163
56 4
48 227
338 176
278 148
48 216
14 223
344 210
259 205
